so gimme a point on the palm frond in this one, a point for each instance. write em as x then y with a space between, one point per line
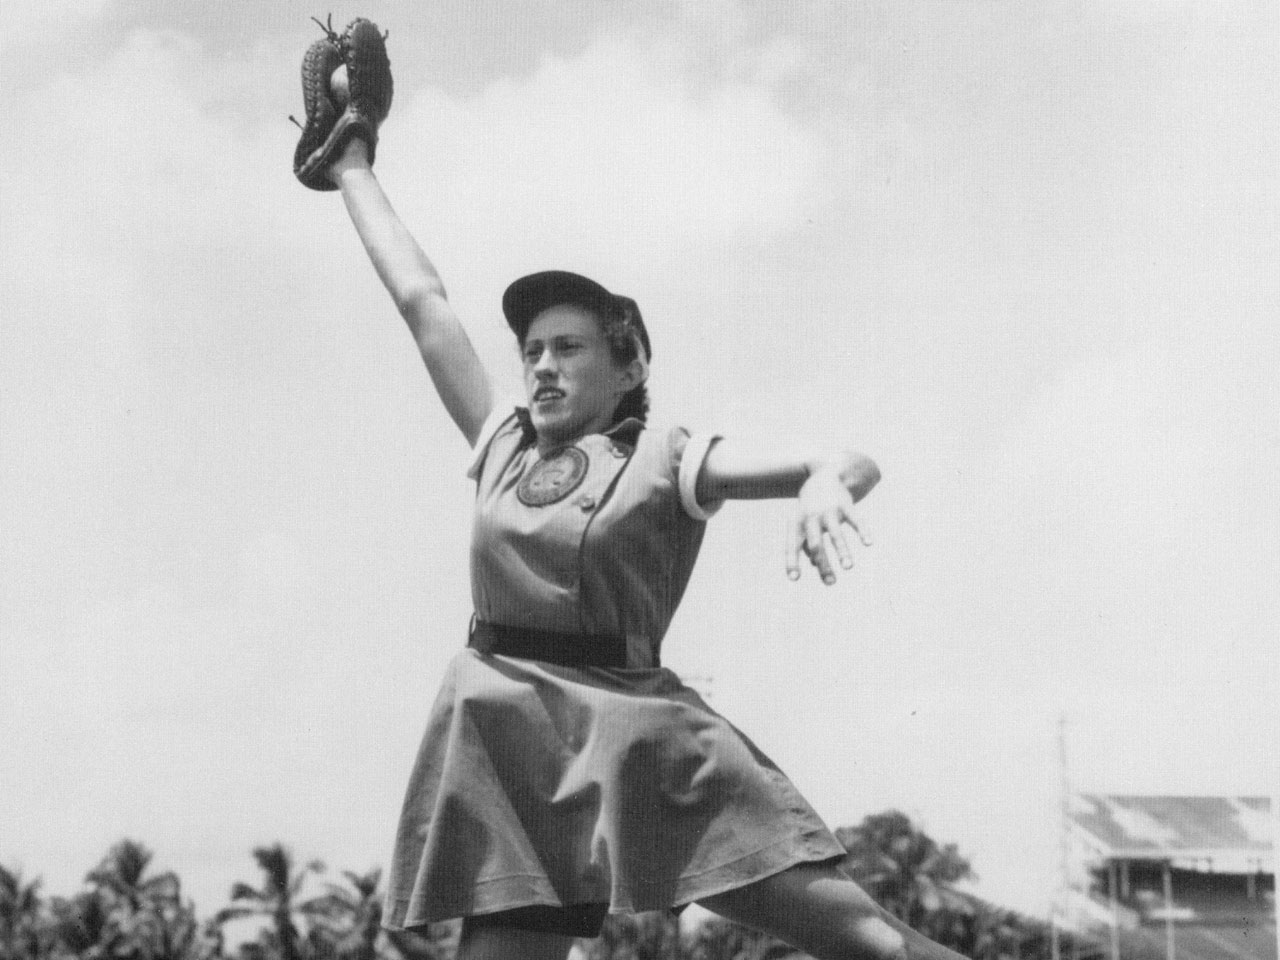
242 891
365 884
166 886
277 864
299 879
123 866
327 905
227 914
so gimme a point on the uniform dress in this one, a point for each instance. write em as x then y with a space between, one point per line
550 794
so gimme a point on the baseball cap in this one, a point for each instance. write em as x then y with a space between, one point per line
529 296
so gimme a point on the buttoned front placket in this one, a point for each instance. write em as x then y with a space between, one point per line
540 536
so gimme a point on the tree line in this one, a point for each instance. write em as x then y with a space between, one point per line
126 911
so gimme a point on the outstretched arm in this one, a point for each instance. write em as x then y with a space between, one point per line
826 487
459 378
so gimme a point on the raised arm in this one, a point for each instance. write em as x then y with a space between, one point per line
826 487
418 292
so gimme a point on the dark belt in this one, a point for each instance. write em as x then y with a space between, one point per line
566 649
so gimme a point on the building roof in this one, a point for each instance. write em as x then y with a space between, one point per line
1213 828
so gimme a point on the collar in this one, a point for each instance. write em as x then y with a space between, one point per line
624 431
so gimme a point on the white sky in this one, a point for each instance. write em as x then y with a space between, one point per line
1023 254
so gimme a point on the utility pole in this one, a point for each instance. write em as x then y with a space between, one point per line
1274 801
1064 841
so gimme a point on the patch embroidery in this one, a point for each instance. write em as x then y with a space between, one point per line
553 478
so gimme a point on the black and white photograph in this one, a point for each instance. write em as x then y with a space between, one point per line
640 480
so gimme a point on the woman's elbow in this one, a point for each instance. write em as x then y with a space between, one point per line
421 304
417 299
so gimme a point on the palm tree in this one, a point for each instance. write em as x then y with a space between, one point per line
349 918
902 868
122 875
20 917
276 900
82 928
146 918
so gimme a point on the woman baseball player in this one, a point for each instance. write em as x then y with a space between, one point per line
565 774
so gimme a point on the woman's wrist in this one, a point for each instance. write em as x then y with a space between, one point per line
354 159
855 471
830 461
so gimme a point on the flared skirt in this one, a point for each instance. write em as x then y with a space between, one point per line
544 784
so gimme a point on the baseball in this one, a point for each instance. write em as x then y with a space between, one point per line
338 86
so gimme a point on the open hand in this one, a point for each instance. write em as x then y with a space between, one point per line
824 510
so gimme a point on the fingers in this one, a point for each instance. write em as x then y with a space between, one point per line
815 546
860 528
811 534
839 539
795 535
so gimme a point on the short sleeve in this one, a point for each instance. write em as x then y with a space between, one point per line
501 413
692 457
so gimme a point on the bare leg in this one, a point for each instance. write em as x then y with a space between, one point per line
822 912
509 943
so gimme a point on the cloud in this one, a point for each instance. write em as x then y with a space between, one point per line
608 150
1141 441
28 19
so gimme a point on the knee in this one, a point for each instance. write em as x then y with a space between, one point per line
861 937
875 938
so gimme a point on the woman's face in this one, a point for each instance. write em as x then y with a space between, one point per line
570 379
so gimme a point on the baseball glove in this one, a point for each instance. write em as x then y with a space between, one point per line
335 115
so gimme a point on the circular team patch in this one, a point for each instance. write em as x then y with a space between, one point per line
553 478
